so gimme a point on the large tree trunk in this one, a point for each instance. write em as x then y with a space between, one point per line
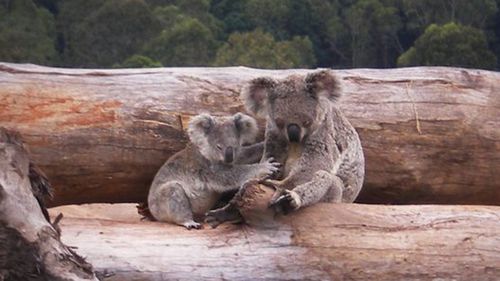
322 242
30 246
430 135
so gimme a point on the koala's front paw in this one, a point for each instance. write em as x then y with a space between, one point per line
285 201
268 168
192 225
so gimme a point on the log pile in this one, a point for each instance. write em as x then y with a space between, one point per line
430 135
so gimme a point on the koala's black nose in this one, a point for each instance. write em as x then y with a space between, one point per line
293 131
229 154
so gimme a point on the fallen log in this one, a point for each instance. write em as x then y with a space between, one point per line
430 135
30 246
322 242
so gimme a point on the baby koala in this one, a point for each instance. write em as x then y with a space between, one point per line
193 180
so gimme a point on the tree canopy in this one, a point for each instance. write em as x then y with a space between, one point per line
258 33
27 33
260 49
450 45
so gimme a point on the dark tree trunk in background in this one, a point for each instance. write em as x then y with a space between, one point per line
430 135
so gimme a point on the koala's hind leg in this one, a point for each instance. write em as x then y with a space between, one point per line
324 186
230 212
171 204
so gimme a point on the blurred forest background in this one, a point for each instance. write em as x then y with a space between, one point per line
256 33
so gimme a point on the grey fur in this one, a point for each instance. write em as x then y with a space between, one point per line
327 164
254 95
192 180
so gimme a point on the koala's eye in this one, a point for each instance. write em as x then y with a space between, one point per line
280 123
219 147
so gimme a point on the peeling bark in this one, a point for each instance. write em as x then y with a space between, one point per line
430 134
30 247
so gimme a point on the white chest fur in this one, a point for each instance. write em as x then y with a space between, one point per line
294 154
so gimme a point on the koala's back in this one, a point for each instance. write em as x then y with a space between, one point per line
178 166
192 172
350 168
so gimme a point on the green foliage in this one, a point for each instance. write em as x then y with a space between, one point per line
27 33
170 12
259 49
232 14
320 21
450 45
284 19
138 61
373 29
262 33
71 14
168 15
194 8
111 33
187 43
424 12
188 36
270 15
200 10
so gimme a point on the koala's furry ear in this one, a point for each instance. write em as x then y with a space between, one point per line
323 83
200 125
246 126
255 95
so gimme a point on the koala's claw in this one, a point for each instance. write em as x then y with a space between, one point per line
277 167
269 167
286 202
273 164
192 225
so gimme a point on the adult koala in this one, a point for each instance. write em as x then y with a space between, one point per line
319 150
